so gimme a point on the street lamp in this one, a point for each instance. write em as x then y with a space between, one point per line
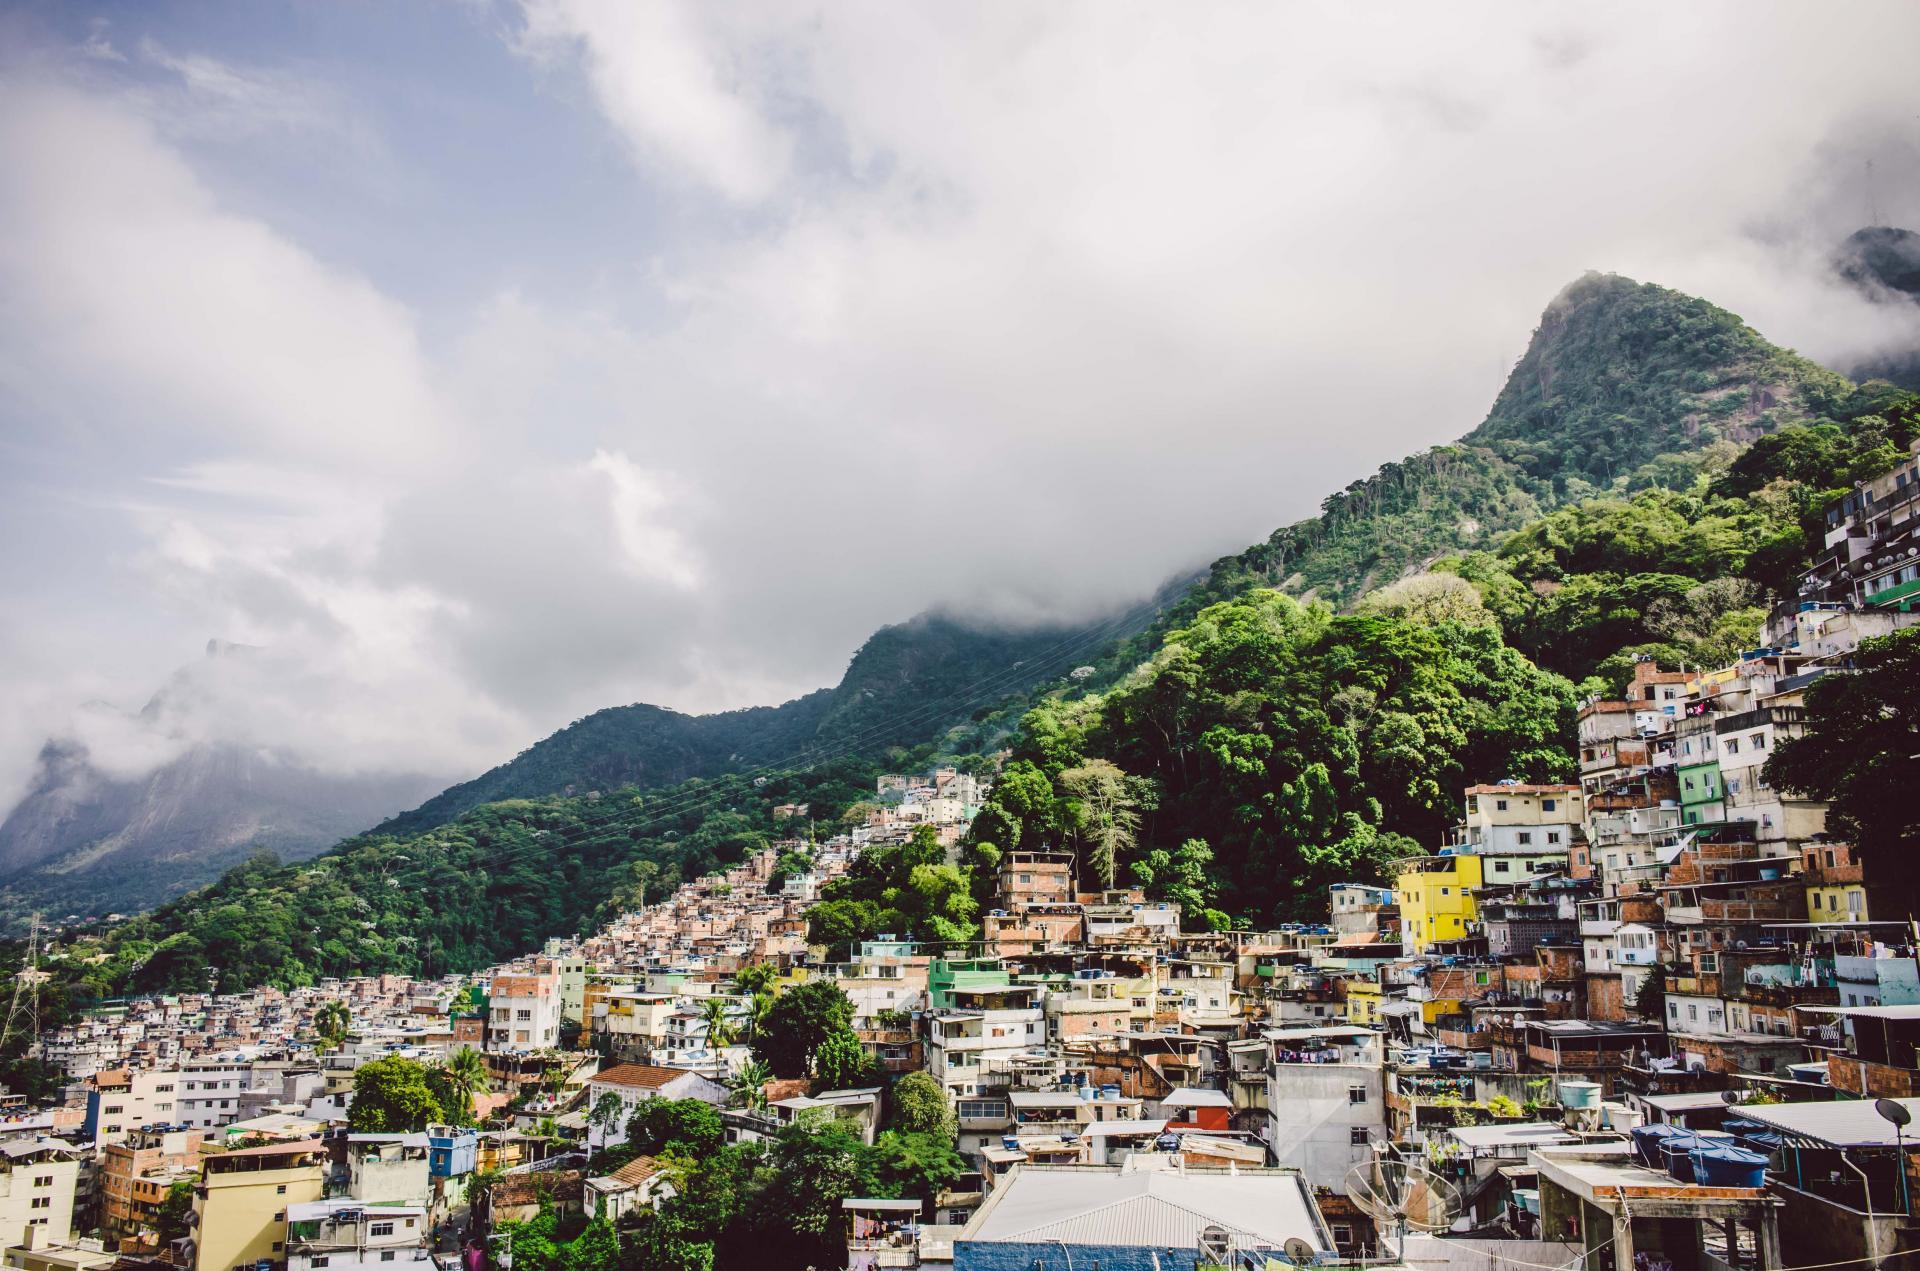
1899 1114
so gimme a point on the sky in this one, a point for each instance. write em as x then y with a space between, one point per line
483 363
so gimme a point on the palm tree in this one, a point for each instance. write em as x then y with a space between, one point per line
465 1073
749 1089
713 1012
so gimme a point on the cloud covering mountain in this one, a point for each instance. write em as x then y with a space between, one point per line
490 364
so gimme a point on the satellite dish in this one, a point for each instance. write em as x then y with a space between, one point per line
1893 1110
1403 1196
1299 1252
1731 1097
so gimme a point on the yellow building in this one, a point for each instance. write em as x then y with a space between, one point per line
1435 894
1837 902
1363 1003
240 1208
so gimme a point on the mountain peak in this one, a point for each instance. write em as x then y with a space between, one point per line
1619 372
1881 260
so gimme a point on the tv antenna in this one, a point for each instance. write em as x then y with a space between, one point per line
1402 1196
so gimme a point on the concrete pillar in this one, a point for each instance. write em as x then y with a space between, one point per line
1767 1228
1622 1247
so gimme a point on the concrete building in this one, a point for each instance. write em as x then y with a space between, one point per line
351 1235
1326 1100
240 1208
524 1012
38 1182
135 1176
120 1101
987 1027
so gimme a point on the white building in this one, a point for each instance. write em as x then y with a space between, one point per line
633 1084
37 1182
211 1091
523 1012
1326 1100
350 1235
123 1100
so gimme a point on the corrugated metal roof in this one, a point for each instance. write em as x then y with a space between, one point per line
1840 1123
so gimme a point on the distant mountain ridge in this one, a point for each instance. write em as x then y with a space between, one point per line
1883 264
907 684
85 842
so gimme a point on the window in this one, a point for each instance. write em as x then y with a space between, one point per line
319 1260
42 1202
43 1180
380 1228
1446 891
1816 900
1500 805
1499 867
1758 741
1548 805
1356 1094
1553 836
1733 745
1342 1234
1693 1011
1525 837
1358 1136
281 1190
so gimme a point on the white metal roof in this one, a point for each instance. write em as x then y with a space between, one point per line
1193 1097
1840 1123
1161 1208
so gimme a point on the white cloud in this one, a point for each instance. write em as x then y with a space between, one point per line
1015 310
676 92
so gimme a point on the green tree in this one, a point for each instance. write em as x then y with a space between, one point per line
920 1166
174 1216
919 1106
720 1030
391 1096
749 1086
332 1022
604 1116
456 1082
755 978
1861 753
1105 815
685 1127
841 1063
799 1020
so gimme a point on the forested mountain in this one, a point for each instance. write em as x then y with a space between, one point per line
1620 383
908 684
